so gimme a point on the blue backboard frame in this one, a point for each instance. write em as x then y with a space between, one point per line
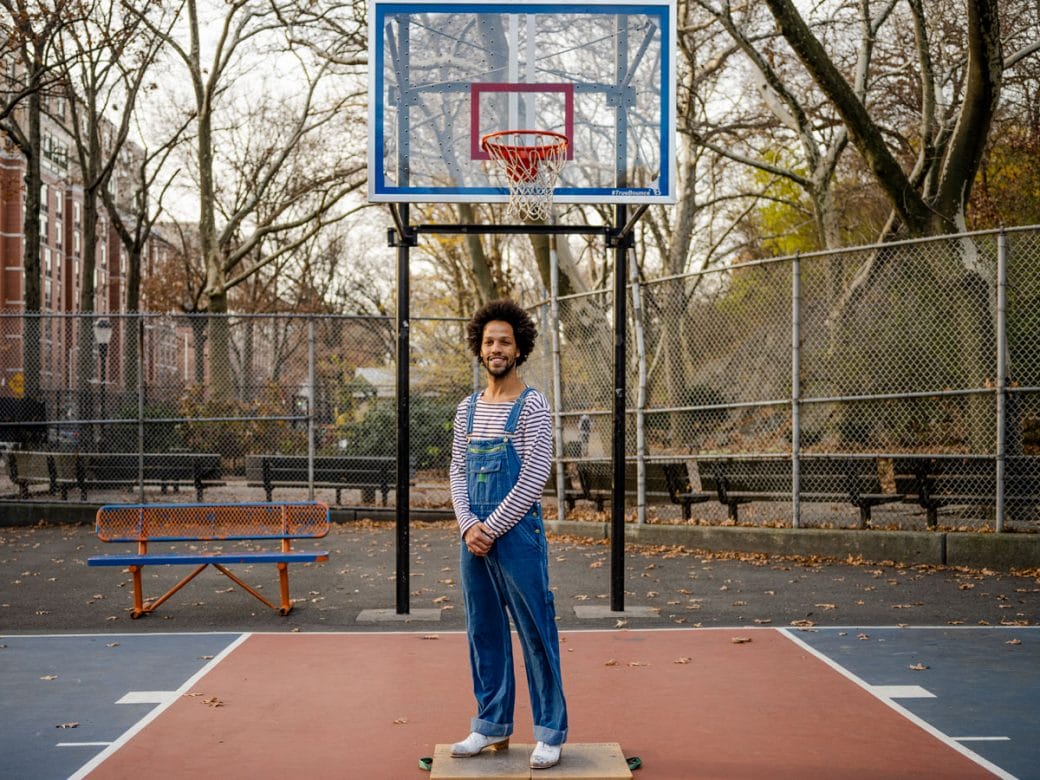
422 177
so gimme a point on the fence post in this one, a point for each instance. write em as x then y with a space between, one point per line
403 240
637 327
554 317
617 502
311 395
139 337
796 390
1000 386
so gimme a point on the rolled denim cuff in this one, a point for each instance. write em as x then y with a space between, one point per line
489 729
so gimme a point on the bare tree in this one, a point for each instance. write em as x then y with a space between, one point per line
106 60
294 183
930 199
29 36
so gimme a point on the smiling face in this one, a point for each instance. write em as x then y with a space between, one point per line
498 350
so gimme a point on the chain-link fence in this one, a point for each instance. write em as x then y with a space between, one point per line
894 384
897 384
240 408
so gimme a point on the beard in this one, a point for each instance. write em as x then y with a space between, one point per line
504 368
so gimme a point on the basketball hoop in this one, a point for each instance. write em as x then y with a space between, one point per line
530 162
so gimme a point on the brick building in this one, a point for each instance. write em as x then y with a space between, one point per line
61 267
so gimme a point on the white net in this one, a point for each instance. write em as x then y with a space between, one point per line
528 162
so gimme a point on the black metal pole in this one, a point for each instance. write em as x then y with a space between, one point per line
617 502
103 354
403 457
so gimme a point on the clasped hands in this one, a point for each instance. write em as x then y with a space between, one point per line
478 539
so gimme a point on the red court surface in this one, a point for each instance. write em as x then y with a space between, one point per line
690 703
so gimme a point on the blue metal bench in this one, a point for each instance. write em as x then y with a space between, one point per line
145 524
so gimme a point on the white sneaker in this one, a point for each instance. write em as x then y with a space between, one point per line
544 756
475 742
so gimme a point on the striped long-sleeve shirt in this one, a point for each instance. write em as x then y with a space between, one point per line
533 443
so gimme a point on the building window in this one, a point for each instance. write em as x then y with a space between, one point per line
75 244
43 198
58 230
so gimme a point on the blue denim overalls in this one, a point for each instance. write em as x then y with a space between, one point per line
514 575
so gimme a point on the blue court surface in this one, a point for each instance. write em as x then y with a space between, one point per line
68 702
107 685
978 687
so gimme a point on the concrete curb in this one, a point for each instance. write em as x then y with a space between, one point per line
1000 552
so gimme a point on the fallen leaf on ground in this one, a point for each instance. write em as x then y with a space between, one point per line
71 725
740 640
918 667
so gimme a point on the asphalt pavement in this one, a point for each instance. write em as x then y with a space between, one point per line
47 587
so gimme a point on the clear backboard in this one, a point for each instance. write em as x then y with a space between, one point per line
445 74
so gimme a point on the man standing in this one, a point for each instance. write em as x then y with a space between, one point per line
501 458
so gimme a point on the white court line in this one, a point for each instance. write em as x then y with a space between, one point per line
148 697
901 692
982 739
791 634
131 732
83 744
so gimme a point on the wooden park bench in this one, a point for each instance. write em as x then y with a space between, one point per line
148 525
935 482
165 470
368 473
83 471
680 488
59 471
821 479
574 490
665 482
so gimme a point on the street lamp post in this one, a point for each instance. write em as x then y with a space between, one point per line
102 336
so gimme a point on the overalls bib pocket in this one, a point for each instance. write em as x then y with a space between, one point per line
488 479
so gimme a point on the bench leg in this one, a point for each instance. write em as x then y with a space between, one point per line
933 516
864 515
731 510
283 582
151 606
687 511
238 581
138 609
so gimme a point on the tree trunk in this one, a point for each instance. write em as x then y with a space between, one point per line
32 327
131 366
486 288
221 381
